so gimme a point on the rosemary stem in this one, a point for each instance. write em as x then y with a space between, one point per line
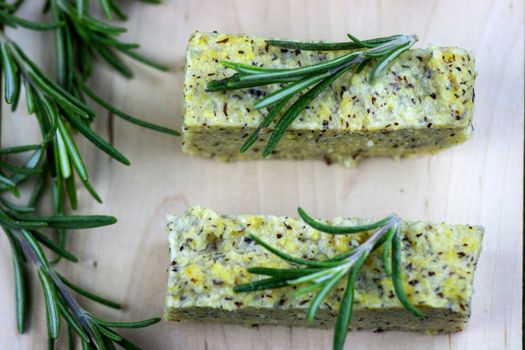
365 249
27 249
370 243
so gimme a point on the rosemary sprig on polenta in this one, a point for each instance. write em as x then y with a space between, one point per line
322 276
309 81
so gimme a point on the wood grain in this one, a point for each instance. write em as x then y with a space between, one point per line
480 182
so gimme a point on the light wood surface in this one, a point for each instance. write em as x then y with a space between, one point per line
480 182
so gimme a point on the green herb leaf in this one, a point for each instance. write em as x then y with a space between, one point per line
72 151
32 163
37 190
397 278
290 258
92 191
386 247
125 116
360 43
115 62
312 46
289 90
29 24
118 11
20 170
340 229
97 140
326 46
82 7
11 77
345 311
30 97
268 283
386 60
110 334
19 149
142 59
9 184
73 222
70 338
54 246
321 295
63 157
137 324
90 295
282 273
268 119
72 191
106 7
21 297
51 299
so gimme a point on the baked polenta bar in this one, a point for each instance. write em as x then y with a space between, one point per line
422 103
210 254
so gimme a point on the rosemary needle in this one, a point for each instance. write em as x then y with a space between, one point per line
307 82
323 276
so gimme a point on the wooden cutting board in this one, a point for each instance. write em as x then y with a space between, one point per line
480 182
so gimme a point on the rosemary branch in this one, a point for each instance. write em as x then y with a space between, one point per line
313 79
323 276
61 110
60 304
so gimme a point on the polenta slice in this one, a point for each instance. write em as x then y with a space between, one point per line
210 254
422 103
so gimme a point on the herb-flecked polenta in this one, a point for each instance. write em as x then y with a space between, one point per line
210 254
422 103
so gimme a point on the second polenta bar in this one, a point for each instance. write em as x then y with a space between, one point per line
211 254
421 103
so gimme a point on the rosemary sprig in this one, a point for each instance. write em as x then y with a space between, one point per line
93 331
314 79
61 110
323 276
83 37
